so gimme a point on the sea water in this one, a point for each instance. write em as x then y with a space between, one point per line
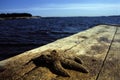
19 35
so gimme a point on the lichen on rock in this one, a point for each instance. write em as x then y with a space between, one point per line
58 63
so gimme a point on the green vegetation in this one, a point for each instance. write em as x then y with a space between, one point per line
14 15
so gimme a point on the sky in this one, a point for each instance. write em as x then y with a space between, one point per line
48 8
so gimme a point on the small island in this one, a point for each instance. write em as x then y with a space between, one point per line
4 16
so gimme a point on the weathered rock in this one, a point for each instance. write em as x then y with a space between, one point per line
91 46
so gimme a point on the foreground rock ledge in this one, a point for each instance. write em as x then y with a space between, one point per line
92 46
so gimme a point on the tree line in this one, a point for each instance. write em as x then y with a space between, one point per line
7 15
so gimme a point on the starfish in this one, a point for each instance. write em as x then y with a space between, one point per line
58 61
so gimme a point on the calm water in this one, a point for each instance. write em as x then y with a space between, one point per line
19 35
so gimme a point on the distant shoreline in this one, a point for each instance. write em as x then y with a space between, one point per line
5 16
11 18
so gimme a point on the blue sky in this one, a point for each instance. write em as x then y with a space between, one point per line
62 7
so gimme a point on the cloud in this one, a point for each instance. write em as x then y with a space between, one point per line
69 7
77 6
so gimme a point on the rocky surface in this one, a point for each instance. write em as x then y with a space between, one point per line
91 46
